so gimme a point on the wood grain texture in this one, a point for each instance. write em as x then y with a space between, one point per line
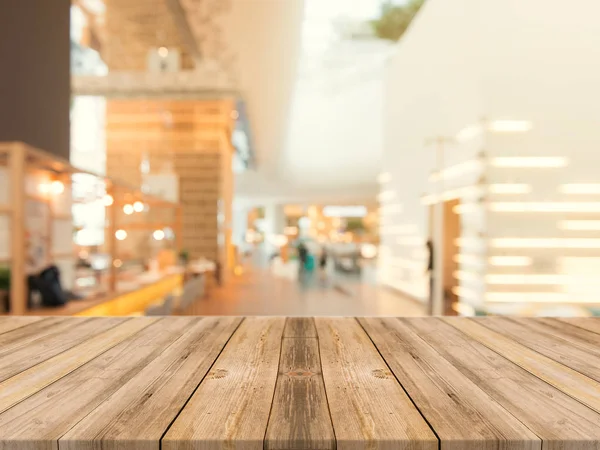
153 398
586 339
23 336
558 419
572 335
12 323
369 409
182 383
446 398
576 353
587 323
41 419
300 414
37 377
50 338
563 378
302 327
231 407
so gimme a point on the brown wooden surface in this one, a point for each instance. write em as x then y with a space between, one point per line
299 383
446 398
369 409
300 414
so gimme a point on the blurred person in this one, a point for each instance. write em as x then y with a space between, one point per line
323 259
431 274
302 253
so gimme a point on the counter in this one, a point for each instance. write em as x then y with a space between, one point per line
147 291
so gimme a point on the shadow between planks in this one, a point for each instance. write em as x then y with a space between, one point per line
299 383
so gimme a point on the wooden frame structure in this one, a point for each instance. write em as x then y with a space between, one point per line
21 159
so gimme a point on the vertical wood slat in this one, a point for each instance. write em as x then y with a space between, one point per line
112 238
300 414
231 407
446 398
301 327
369 409
18 281
558 419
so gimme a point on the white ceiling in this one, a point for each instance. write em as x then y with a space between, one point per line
329 138
314 101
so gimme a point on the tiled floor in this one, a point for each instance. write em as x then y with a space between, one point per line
257 292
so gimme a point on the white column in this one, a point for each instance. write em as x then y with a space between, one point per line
239 225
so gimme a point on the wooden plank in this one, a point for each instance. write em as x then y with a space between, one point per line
446 398
38 376
159 391
587 323
302 327
369 409
554 373
300 415
572 334
32 334
40 420
558 419
22 336
22 354
234 400
13 322
576 354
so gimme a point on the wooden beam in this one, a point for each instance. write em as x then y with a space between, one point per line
93 25
185 30
112 239
18 285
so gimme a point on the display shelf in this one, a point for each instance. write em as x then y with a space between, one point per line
38 199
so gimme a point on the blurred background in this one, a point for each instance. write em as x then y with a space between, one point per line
300 157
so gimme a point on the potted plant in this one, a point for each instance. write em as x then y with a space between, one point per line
395 19
4 288
184 257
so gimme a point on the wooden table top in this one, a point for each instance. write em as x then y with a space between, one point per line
299 383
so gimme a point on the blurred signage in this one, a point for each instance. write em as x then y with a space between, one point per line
164 185
344 211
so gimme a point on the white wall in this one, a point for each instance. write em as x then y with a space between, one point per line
432 90
543 67
469 62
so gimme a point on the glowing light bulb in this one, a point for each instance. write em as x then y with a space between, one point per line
138 206
128 209
57 187
108 200
121 235
368 251
158 235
